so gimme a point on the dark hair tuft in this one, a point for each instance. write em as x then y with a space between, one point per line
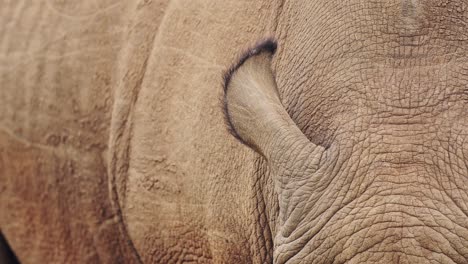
268 44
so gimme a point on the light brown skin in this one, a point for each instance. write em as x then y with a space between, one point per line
113 147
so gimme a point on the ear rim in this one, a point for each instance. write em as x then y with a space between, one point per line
266 45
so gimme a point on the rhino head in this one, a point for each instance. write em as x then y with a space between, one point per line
360 172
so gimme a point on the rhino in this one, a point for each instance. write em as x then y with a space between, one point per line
138 132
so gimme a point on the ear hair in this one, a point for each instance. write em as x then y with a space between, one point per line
266 45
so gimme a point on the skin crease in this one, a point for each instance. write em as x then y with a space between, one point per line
389 184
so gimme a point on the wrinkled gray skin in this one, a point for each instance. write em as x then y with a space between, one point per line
113 147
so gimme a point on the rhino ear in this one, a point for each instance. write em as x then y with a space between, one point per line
260 58
253 110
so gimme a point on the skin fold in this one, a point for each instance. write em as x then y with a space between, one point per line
347 137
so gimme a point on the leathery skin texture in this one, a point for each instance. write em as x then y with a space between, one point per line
382 88
113 147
